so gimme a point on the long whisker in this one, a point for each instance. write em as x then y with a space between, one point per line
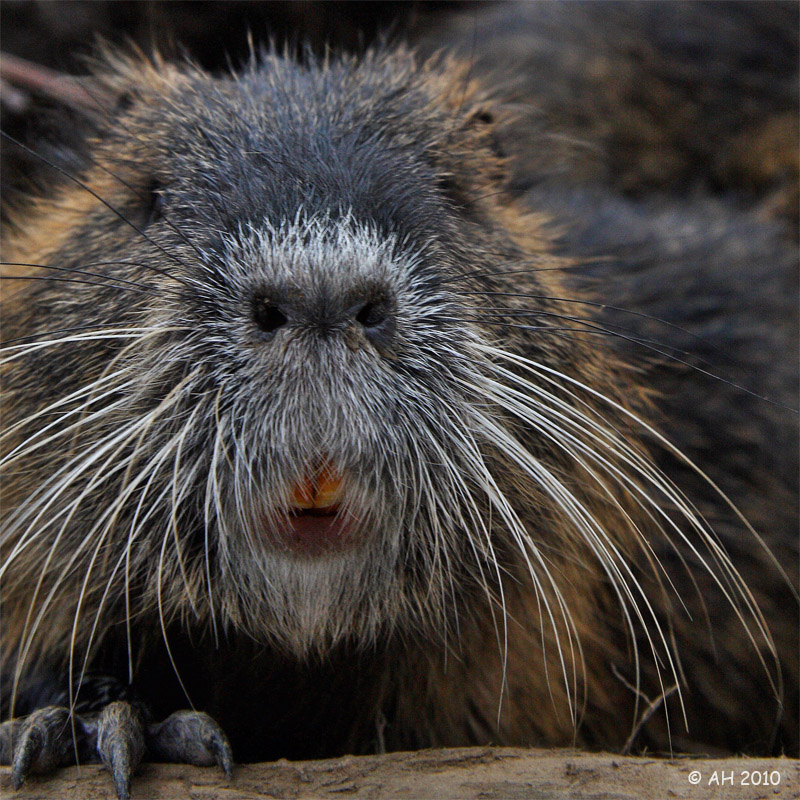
491 314
186 282
578 301
83 271
644 343
50 278
99 328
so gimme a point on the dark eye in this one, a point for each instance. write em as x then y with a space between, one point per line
267 315
456 195
155 203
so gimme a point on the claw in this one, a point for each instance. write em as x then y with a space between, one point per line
119 764
41 744
120 744
217 744
31 743
191 737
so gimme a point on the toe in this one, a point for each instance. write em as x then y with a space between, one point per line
42 743
120 743
191 737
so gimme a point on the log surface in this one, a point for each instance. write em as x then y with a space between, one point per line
464 773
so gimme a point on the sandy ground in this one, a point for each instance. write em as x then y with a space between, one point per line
486 773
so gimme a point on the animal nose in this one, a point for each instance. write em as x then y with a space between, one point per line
373 313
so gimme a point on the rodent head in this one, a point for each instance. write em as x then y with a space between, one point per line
299 238
307 215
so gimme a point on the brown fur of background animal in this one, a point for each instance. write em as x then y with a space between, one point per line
657 195
674 97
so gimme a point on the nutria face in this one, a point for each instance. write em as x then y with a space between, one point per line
294 427
319 334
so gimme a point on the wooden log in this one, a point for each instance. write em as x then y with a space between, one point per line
464 773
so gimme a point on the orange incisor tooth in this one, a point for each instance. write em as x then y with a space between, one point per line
303 494
320 493
328 488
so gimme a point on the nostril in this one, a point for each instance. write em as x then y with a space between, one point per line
377 318
267 315
373 314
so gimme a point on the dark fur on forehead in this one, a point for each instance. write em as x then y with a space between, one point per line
323 137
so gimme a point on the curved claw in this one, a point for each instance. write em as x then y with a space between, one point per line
41 743
191 737
120 744
30 745
216 742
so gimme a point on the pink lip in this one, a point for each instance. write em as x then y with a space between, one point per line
316 533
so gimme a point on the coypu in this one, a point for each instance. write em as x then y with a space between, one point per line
330 439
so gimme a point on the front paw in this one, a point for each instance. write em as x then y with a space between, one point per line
120 743
118 736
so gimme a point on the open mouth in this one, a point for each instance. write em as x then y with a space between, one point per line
316 524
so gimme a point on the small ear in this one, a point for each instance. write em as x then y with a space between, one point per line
124 73
487 119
